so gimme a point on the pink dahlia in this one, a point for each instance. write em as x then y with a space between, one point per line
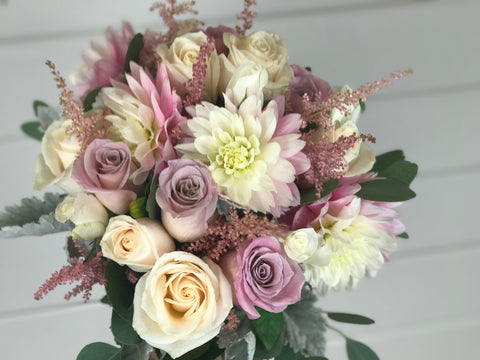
102 62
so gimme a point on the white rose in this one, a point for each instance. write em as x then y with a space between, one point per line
86 212
180 57
181 303
248 79
54 165
135 243
301 244
267 50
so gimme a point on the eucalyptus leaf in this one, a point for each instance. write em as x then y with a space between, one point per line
99 351
133 51
32 217
120 291
403 235
388 190
268 327
305 326
46 115
362 106
328 186
37 104
350 318
33 129
90 99
243 349
308 196
123 331
359 351
402 170
384 160
140 351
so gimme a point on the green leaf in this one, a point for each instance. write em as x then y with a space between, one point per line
37 104
268 327
308 196
133 51
359 351
32 217
389 190
90 99
123 331
151 206
384 160
138 208
350 318
305 326
99 351
120 291
262 353
403 235
402 170
207 351
362 106
328 186
139 351
32 129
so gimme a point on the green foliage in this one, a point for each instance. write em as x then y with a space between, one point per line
403 235
133 51
389 190
385 160
350 318
268 327
138 208
99 351
90 99
120 291
207 351
359 351
151 206
308 196
33 129
362 106
32 217
139 351
123 331
402 170
37 104
305 326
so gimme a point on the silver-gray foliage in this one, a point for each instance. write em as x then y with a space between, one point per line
46 115
242 349
229 337
305 326
32 217
139 351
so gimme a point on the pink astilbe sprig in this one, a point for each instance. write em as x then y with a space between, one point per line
195 86
231 322
84 269
84 128
168 10
247 15
223 235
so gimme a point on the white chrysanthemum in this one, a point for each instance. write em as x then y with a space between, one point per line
250 159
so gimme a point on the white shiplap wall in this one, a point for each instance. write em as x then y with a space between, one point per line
426 301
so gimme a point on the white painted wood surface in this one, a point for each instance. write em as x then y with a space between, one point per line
426 301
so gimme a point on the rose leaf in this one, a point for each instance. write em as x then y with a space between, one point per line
350 318
99 351
123 331
119 290
268 327
359 351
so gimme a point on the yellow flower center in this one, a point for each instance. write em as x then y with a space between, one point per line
237 155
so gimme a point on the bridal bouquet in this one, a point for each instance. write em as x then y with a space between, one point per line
214 190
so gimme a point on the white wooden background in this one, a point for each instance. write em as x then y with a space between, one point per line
426 301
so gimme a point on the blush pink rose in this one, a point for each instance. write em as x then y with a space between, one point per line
104 170
304 82
188 197
263 275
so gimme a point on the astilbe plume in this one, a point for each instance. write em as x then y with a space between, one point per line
168 11
247 15
231 322
223 235
85 128
196 85
326 156
84 269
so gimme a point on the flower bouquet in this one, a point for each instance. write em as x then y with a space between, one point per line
214 190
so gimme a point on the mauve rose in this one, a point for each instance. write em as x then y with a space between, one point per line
306 83
263 275
188 197
104 169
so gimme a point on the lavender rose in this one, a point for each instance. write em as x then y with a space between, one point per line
263 275
306 83
188 197
104 169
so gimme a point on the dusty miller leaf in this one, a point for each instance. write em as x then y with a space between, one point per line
243 349
228 337
305 326
32 217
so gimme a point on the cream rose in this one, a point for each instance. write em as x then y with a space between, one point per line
86 212
248 79
180 57
181 303
265 49
54 165
135 243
